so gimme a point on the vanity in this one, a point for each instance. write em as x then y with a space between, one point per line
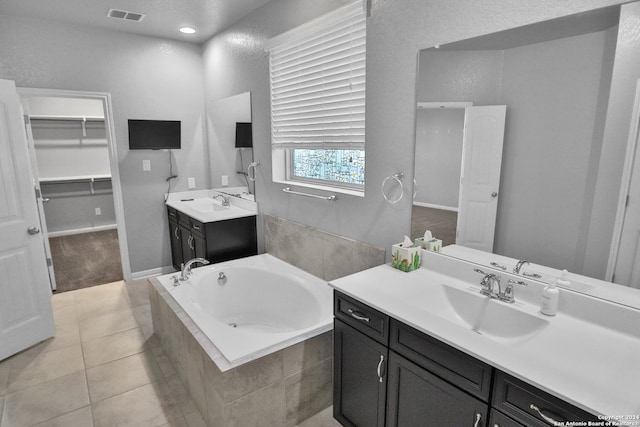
211 224
426 348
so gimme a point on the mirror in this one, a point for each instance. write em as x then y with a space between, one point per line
557 80
230 145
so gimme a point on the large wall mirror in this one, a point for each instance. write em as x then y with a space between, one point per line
231 145
568 92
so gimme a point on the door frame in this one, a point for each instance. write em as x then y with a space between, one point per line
105 98
625 187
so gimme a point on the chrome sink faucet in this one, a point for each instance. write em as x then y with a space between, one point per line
491 287
185 268
519 266
225 200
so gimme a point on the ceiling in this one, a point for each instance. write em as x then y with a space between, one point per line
163 17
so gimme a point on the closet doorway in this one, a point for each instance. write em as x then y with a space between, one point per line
74 163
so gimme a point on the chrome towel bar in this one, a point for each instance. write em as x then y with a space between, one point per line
315 196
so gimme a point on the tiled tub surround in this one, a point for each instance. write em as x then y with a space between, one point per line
283 388
322 254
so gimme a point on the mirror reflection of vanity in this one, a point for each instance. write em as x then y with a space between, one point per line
568 90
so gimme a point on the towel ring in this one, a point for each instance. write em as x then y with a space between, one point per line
252 166
388 184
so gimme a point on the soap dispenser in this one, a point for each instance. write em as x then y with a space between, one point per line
551 294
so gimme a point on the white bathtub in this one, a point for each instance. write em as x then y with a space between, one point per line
263 306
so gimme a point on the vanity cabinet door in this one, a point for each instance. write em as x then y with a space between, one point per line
176 243
360 381
416 397
188 246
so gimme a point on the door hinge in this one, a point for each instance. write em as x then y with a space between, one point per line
626 202
38 193
49 262
27 120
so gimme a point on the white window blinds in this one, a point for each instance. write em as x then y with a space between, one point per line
317 75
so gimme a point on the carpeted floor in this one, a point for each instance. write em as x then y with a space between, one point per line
84 260
441 223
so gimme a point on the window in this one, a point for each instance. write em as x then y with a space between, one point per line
317 76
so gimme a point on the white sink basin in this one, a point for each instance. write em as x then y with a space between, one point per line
491 318
206 205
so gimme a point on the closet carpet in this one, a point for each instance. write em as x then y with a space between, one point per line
84 260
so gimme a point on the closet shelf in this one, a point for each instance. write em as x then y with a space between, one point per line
75 118
79 178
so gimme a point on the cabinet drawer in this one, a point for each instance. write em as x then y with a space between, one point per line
497 419
460 369
365 319
531 406
173 214
196 226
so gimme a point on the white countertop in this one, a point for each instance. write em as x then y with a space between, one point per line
589 365
201 205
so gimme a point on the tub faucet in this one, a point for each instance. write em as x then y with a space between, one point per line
225 200
185 268
519 265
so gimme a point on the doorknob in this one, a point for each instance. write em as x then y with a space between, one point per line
33 230
494 194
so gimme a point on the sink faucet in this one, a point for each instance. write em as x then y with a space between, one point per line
489 284
225 200
519 265
185 268
491 287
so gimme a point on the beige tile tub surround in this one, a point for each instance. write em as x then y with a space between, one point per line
284 388
322 254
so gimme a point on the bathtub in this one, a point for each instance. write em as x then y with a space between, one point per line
251 307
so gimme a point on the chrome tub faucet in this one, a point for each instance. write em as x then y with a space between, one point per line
185 268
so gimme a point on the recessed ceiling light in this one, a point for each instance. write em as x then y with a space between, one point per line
187 30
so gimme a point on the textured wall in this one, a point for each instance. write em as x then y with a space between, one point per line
236 62
147 78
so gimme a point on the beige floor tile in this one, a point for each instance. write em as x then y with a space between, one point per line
112 347
46 401
194 419
143 406
40 364
107 324
122 375
79 418
62 300
98 306
5 368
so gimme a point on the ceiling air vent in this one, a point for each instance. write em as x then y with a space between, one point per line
127 16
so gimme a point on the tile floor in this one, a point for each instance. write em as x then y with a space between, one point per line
104 368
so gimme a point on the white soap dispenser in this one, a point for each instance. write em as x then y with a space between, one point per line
551 295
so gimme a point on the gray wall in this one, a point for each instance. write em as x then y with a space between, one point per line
161 78
148 78
439 134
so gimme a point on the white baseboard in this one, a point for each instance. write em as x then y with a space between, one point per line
432 206
137 275
82 230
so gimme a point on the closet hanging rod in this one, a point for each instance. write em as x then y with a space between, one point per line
76 118
315 196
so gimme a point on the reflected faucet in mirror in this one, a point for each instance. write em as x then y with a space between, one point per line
568 109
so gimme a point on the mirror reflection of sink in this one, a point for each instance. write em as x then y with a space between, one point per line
206 205
488 317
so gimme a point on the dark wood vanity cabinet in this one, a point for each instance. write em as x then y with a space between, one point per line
215 241
387 373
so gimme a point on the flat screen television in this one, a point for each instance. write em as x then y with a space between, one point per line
244 136
154 134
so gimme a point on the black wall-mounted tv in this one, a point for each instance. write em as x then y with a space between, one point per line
154 134
244 136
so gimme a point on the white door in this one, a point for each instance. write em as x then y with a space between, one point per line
39 200
627 266
25 303
480 178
